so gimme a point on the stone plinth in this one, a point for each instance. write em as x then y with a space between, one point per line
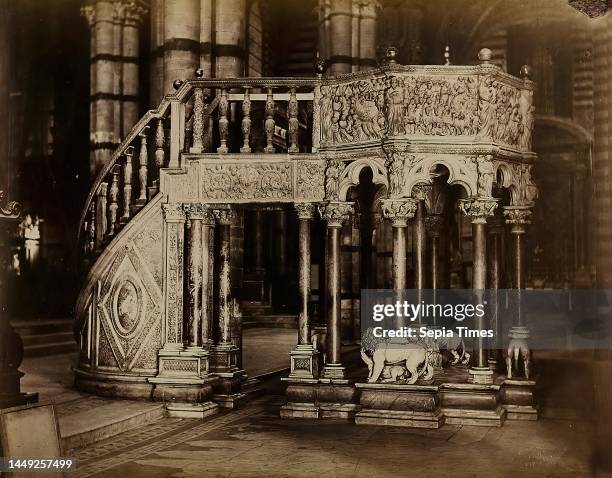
472 404
416 406
518 398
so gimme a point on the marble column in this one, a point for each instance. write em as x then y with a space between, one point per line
230 38
495 231
304 364
399 211
340 36
225 357
101 18
335 213
478 209
518 217
130 87
206 307
434 225
368 35
181 41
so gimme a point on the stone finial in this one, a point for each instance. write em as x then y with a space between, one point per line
526 72
320 66
447 55
199 73
177 84
391 54
485 55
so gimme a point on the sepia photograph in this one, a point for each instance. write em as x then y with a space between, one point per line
296 238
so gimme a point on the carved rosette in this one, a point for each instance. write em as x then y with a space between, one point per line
335 213
398 210
224 216
305 210
518 217
434 225
478 208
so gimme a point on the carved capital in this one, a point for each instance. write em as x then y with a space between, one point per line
89 12
518 217
478 208
305 210
399 210
224 216
434 225
335 213
173 212
199 212
134 14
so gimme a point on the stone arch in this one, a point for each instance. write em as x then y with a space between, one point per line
350 175
462 171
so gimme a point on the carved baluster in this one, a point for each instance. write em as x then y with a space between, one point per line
269 123
127 184
101 208
159 145
198 121
113 206
292 110
208 126
246 122
223 121
143 159
91 228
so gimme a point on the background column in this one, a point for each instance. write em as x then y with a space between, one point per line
340 36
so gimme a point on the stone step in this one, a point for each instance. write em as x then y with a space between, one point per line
51 348
37 327
273 320
39 339
104 418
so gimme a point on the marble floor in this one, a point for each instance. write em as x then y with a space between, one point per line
255 442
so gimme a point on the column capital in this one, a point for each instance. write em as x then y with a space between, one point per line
305 210
335 212
434 225
478 208
518 217
399 210
198 211
173 212
134 13
224 216
89 12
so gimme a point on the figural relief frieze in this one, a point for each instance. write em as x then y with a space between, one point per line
401 105
310 180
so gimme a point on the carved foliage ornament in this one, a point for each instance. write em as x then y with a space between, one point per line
305 210
310 180
478 208
173 212
398 210
198 211
517 216
335 212
244 181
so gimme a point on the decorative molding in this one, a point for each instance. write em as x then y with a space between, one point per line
310 180
246 181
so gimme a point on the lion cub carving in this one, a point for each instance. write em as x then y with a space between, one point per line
391 354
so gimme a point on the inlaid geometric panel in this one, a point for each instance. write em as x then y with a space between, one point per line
129 306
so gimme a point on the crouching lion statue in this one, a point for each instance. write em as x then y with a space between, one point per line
395 359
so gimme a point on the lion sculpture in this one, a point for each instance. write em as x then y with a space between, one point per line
395 359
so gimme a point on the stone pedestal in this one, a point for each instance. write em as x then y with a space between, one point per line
337 399
472 404
519 399
183 382
227 392
416 406
301 399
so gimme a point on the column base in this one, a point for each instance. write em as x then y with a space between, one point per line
224 358
481 375
183 375
304 363
192 410
334 373
227 392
